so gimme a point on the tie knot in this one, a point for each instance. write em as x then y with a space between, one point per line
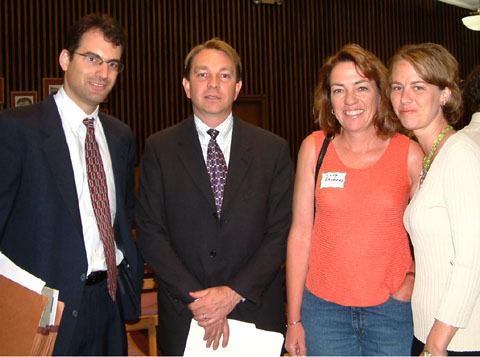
213 133
89 122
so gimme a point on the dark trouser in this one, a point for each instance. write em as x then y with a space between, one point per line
100 328
172 337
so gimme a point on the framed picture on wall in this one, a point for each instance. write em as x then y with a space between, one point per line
2 91
22 98
51 85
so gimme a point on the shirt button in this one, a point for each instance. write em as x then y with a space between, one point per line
213 254
74 313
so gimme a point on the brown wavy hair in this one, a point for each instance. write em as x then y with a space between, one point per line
435 65
369 66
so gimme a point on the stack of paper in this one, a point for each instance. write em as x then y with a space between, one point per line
245 340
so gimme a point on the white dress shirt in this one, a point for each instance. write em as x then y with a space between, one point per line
72 117
224 137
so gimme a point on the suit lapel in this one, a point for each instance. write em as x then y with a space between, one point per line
240 159
57 153
190 154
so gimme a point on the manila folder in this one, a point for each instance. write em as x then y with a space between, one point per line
20 313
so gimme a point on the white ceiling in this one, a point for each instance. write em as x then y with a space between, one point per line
467 4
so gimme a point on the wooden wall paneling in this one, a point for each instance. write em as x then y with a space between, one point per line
158 66
4 59
42 40
310 74
294 20
276 68
140 84
125 102
266 64
282 48
283 67
168 70
295 124
151 66
31 50
247 46
139 87
14 47
121 90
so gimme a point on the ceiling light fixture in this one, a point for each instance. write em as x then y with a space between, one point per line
473 21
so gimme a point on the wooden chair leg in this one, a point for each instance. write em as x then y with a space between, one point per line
152 341
146 323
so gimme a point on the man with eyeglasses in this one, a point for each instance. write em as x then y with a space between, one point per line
66 195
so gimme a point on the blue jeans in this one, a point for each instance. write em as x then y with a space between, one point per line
332 329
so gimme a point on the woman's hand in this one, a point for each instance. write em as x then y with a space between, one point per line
295 340
404 292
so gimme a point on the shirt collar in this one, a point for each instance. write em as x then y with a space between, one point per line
225 128
70 111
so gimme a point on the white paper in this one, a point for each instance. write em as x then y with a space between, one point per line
53 313
13 272
333 179
245 340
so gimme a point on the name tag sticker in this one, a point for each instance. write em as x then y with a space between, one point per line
333 179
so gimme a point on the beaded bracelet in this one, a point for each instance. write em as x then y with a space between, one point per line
293 323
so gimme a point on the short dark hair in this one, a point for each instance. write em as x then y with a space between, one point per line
214 44
111 29
471 93
435 65
373 69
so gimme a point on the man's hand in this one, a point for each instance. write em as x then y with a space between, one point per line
213 304
214 332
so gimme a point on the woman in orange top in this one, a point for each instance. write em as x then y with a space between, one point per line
349 267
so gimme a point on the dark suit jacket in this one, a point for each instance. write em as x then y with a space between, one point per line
185 244
40 225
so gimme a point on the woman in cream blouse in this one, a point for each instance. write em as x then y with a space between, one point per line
443 218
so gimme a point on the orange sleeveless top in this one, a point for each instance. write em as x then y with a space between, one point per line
360 251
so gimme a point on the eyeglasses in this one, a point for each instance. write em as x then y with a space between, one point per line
95 60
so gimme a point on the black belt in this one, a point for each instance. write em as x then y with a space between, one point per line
98 276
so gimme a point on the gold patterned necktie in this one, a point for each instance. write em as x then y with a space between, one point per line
97 184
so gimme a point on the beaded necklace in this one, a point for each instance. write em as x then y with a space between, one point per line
427 160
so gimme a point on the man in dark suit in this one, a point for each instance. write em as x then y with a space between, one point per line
215 247
66 198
